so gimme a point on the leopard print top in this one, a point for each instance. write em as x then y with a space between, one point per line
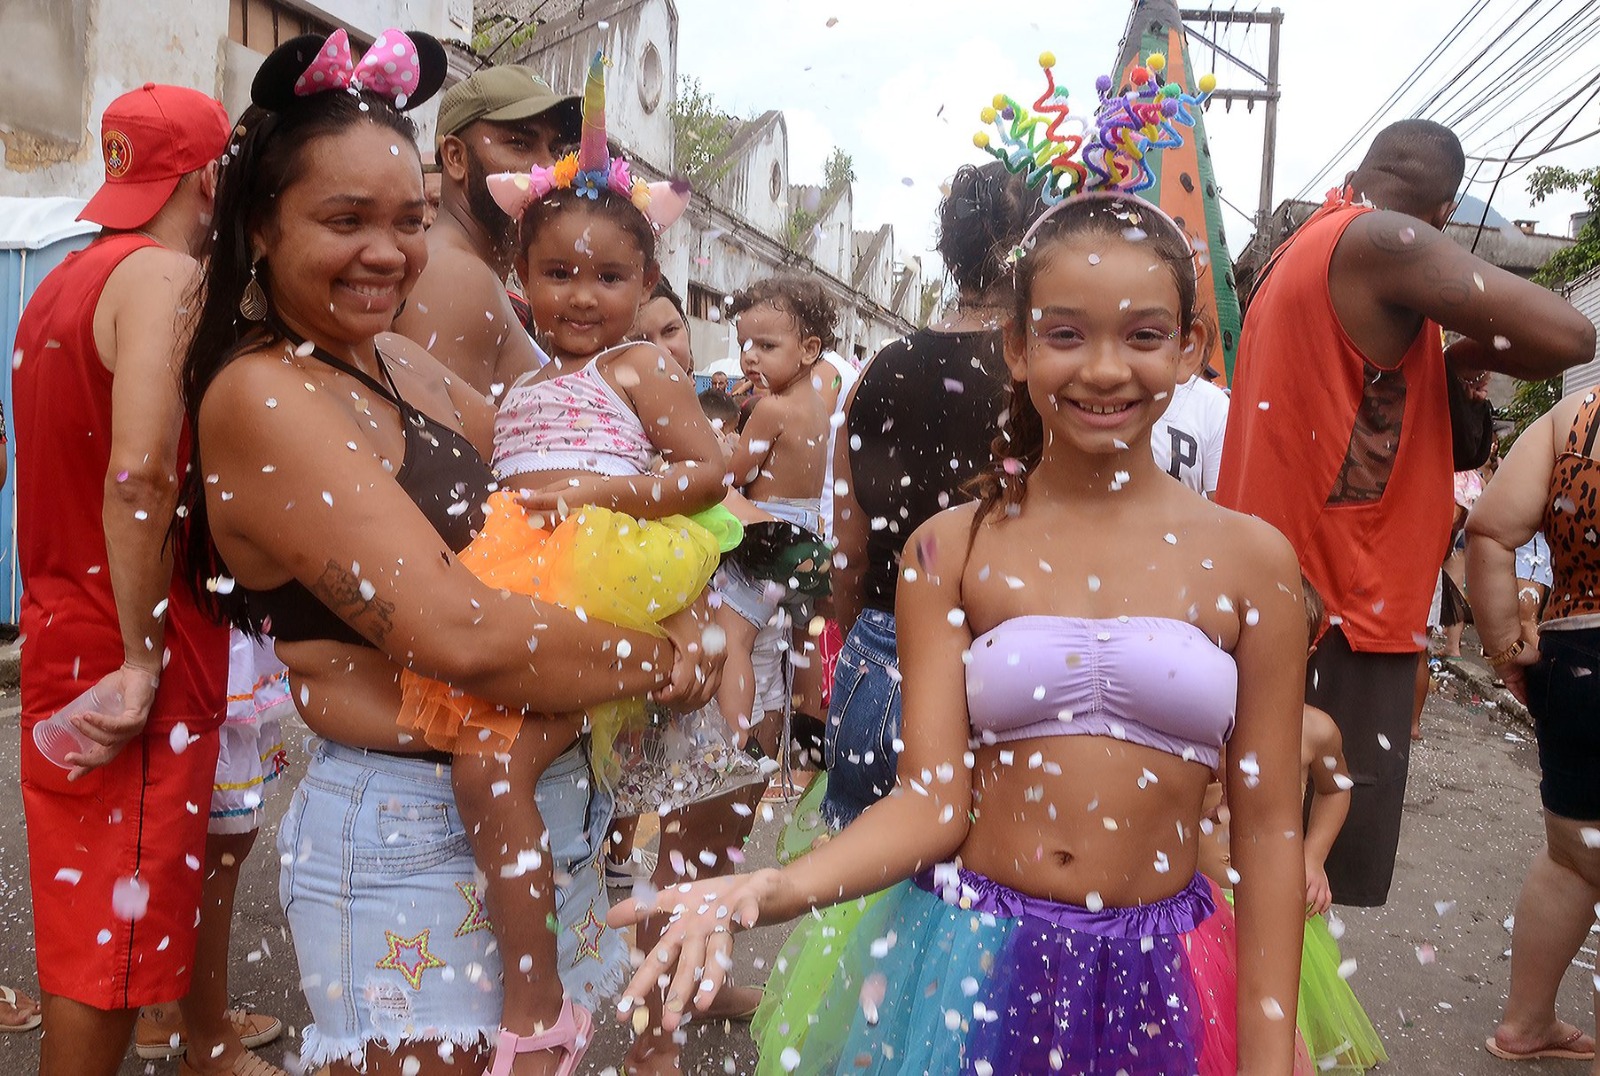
1572 519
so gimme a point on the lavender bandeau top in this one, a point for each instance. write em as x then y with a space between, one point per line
1152 681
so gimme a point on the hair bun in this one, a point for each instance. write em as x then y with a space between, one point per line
274 85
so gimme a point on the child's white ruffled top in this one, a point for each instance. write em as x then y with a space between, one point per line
574 422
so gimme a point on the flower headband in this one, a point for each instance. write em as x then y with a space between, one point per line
406 68
592 169
1107 153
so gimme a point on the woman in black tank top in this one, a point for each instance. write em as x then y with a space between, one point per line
918 425
337 470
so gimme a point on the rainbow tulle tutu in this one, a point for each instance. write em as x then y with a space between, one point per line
625 571
955 973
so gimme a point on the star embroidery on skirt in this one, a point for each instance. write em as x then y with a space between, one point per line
412 970
477 919
588 946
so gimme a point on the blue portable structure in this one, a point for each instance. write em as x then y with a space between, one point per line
35 235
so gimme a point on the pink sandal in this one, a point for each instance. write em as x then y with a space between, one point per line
570 1032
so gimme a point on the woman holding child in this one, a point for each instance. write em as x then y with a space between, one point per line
338 472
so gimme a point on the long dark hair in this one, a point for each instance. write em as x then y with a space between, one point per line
1019 446
980 220
267 156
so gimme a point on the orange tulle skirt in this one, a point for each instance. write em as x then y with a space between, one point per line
608 566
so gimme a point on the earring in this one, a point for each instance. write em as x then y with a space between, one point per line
253 303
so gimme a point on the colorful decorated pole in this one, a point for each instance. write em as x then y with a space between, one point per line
1185 186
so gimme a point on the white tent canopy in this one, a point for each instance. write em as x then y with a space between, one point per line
35 223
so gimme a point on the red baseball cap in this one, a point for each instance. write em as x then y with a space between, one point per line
152 137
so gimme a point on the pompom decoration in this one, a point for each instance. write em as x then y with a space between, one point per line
592 169
1061 154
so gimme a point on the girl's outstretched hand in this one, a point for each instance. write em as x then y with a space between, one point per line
695 953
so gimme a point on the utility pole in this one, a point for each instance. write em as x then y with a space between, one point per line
1270 93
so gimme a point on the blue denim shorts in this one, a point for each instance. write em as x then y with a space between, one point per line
387 914
863 720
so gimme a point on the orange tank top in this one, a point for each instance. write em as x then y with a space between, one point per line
1350 460
1572 520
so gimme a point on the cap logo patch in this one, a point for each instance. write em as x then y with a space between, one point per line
119 154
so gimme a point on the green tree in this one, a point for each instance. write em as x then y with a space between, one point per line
1533 398
1584 255
701 133
839 171
499 36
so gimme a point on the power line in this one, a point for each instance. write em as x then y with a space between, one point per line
1382 110
1533 156
1566 38
1491 39
1595 92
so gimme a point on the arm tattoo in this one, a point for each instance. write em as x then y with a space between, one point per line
340 590
1408 242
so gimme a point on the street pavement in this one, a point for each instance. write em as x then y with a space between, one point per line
1431 967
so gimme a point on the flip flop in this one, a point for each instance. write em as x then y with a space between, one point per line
8 996
1562 1049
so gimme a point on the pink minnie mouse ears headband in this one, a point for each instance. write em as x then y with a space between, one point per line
592 169
406 68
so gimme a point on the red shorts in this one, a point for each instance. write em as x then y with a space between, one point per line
115 860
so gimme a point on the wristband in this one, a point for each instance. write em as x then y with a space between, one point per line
1507 655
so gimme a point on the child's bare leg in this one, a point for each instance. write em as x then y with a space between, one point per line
495 796
736 696
703 835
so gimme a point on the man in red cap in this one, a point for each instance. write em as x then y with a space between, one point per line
117 833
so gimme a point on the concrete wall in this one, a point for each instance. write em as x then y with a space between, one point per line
1584 293
82 54
63 61
641 43
756 188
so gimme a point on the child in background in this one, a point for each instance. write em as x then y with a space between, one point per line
1337 1033
599 532
784 323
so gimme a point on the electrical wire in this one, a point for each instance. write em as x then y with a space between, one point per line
1427 62
1595 92
1496 37
1504 90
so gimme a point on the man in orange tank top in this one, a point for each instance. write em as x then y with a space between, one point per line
1339 435
116 842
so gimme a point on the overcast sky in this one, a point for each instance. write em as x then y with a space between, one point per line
898 85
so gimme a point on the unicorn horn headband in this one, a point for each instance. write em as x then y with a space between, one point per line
592 169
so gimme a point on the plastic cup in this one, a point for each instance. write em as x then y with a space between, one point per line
56 737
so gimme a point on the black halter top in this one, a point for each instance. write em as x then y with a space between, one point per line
442 474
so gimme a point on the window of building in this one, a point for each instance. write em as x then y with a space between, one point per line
702 301
775 182
652 79
263 25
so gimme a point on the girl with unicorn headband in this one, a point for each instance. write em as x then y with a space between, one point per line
1080 649
582 521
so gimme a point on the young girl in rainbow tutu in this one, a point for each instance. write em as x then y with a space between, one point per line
580 519
1078 648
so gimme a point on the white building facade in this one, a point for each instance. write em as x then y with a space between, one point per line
63 61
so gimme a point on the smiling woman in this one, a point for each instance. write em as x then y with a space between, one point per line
337 471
